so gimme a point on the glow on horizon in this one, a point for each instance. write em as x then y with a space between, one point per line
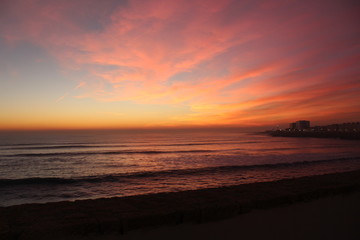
180 63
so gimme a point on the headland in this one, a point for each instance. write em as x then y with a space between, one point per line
302 128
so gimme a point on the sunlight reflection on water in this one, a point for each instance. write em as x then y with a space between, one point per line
72 165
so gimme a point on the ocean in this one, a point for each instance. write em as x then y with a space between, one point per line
48 166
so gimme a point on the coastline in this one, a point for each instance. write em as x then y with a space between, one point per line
316 134
100 218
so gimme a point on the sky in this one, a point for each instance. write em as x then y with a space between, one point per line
77 64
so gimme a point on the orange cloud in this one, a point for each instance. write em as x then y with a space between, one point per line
230 62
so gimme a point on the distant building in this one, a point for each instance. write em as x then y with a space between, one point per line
292 126
343 127
299 125
302 124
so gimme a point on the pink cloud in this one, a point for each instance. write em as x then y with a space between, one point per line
246 60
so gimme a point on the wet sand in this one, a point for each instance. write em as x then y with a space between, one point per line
335 217
317 207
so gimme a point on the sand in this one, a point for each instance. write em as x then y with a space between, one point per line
317 207
336 217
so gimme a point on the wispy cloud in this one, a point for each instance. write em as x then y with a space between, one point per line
231 62
81 84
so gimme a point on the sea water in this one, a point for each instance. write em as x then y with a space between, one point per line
46 166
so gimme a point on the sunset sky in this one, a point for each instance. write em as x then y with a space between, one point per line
179 63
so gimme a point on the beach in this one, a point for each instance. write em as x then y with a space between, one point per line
313 205
130 119
334 217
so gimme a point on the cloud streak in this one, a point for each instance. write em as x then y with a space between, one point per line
230 62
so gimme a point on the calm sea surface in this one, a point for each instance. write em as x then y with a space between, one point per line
71 165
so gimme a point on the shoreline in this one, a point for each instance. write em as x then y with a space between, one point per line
316 134
118 216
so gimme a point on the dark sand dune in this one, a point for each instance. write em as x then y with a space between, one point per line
317 207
